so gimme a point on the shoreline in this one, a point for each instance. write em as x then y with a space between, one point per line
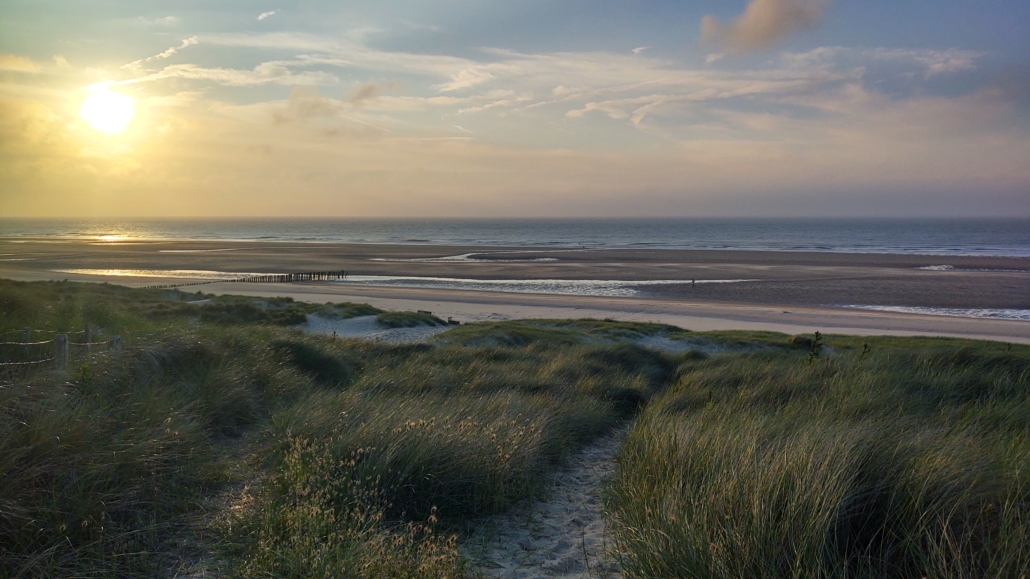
487 248
789 291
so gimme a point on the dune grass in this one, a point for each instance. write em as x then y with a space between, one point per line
232 444
408 320
885 458
557 332
279 454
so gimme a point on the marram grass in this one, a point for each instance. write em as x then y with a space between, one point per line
221 441
892 462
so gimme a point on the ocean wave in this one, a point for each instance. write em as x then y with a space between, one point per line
938 267
980 313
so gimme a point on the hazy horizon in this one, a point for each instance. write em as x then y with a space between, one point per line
461 109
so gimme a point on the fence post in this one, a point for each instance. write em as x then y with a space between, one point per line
89 333
26 336
61 351
116 344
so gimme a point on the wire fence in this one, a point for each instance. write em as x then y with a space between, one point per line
44 361
52 332
26 343
14 353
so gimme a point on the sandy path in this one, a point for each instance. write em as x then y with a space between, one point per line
366 328
561 536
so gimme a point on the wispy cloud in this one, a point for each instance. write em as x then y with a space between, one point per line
931 61
162 55
763 24
15 63
162 21
272 72
264 15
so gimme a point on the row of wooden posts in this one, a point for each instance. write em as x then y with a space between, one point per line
294 277
270 278
61 344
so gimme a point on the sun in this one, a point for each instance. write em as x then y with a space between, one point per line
108 111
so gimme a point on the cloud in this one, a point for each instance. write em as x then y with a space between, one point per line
167 53
306 102
186 42
61 61
640 49
164 21
365 92
264 15
272 72
421 26
763 24
466 78
15 63
931 61
496 101
372 91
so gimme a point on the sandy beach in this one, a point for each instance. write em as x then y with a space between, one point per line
789 292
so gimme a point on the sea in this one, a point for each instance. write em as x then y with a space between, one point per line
931 237
945 237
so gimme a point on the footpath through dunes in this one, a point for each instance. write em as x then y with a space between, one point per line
562 535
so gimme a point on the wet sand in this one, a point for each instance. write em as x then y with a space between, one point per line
792 291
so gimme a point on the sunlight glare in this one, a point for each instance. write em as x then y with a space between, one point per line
108 111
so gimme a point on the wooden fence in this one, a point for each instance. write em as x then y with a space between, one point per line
53 350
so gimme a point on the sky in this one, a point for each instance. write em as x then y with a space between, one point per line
475 108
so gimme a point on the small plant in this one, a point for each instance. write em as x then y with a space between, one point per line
815 349
84 375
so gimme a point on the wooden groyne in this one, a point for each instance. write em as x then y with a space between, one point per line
270 278
293 277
